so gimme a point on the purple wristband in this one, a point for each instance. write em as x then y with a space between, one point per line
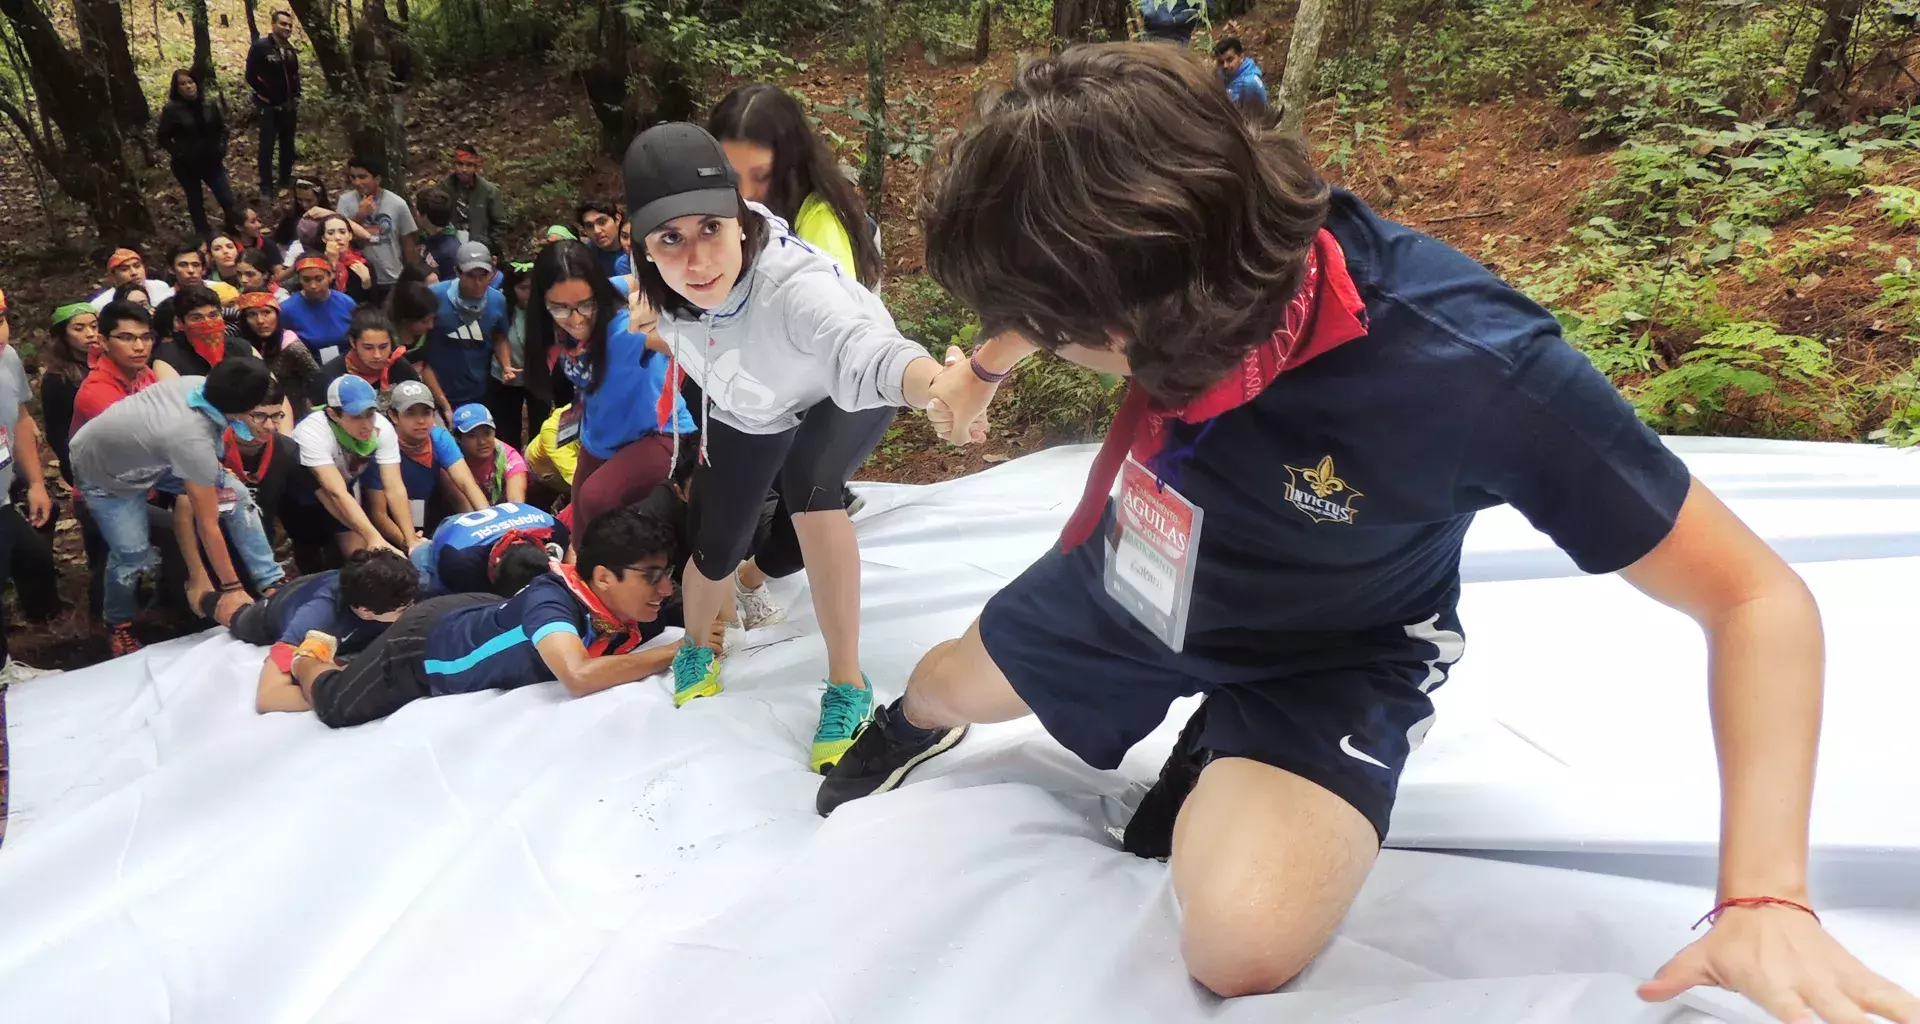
986 375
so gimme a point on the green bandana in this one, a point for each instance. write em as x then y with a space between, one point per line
68 312
563 231
352 443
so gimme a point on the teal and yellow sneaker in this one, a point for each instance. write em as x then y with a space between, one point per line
696 673
844 708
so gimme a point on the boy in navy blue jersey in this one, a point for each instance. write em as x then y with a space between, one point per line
353 605
581 624
497 550
1319 402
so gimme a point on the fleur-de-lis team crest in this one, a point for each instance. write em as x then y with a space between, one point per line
1320 493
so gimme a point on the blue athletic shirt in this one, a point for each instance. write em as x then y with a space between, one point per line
462 544
621 410
491 646
1338 498
321 325
420 480
461 351
313 602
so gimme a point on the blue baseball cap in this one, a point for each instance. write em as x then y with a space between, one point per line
471 416
351 395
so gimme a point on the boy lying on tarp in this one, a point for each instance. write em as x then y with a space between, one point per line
579 624
354 605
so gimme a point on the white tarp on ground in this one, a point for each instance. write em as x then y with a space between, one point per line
518 857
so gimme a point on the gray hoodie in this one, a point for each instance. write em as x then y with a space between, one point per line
795 331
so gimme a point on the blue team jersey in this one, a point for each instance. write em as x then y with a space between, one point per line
491 646
462 544
462 346
1338 498
313 602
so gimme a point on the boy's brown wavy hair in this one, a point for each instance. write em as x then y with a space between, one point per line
1115 190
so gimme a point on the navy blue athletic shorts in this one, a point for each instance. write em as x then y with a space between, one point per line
1341 709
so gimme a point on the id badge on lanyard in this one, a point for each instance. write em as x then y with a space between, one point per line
6 447
569 429
1152 553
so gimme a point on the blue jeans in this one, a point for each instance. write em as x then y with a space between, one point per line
123 522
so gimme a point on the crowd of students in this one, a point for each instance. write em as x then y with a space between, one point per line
372 380
702 368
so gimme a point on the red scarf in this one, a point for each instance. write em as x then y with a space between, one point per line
611 635
230 449
1323 315
209 340
422 455
539 535
358 370
343 268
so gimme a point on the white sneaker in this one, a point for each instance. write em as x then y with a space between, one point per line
17 671
758 609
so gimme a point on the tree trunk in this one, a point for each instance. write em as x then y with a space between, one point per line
402 12
606 80
105 45
1089 20
1825 75
873 174
89 158
253 19
983 34
203 69
370 114
1303 52
336 67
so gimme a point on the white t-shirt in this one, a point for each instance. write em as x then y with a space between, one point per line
318 446
157 292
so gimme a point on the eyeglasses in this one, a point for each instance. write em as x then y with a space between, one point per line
652 576
268 418
562 311
132 339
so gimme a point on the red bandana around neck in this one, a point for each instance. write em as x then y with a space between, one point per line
230 454
611 635
358 369
1323 315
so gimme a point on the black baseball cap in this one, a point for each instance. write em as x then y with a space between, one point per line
677 170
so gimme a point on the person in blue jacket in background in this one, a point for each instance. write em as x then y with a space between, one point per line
1246 86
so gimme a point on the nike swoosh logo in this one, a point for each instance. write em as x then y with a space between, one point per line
1346 747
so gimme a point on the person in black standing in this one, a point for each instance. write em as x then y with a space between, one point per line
273 72
193 130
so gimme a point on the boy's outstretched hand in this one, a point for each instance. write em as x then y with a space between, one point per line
1782 959
958 412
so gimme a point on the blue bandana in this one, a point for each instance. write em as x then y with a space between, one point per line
197 398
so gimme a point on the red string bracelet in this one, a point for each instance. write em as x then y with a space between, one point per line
1713 916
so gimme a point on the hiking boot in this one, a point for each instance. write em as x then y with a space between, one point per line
881 756
319 646
122 642
758 609
1150 831
843 710
696 673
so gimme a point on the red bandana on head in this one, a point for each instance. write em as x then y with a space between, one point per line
1323 315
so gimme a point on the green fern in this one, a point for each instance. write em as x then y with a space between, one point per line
1749 359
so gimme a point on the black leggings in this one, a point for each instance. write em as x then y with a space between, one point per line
811 463
26 557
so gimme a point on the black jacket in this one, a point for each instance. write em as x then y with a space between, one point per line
194 133
273 71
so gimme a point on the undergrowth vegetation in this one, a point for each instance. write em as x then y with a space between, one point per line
1732 196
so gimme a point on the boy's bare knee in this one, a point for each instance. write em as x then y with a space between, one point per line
1234 951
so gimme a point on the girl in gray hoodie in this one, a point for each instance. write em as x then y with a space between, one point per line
800 369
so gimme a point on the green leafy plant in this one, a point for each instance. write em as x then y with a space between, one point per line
908 124
1748 359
